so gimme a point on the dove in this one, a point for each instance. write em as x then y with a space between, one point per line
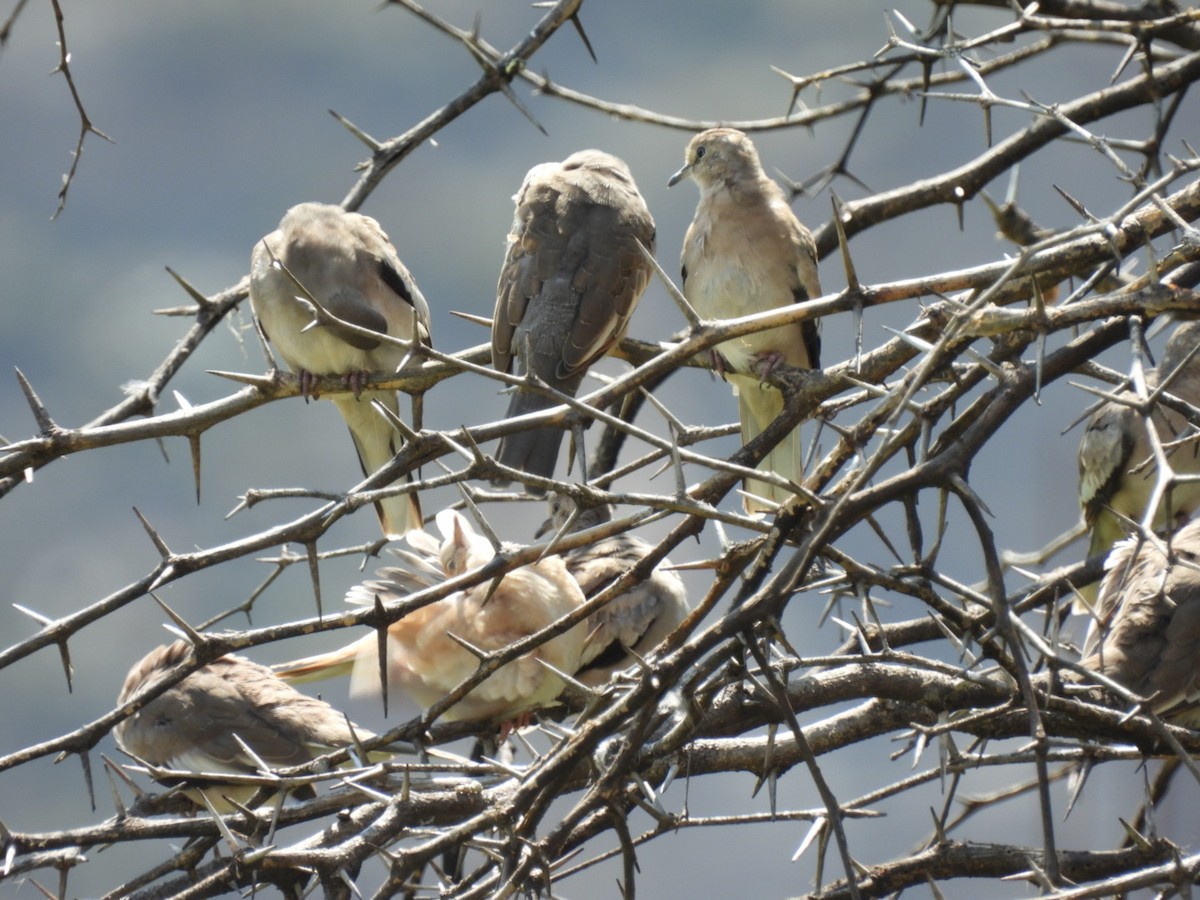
1146 634
422 657
1116 466
201 723
572 276
632 624
345 262
746 252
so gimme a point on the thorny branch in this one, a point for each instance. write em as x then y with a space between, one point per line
903 421
85 122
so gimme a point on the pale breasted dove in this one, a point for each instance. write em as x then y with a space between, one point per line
345 262
1116 466
422 658
746 252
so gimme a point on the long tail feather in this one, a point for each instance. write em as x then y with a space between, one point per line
758 405
534 451
377 442
322 666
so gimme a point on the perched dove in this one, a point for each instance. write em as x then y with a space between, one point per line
745 252
570 281
422 658
1147 632
1116 466
196 725
632 623
346 263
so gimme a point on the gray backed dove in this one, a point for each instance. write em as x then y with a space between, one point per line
746 252
571 278
1146 635
422 658
345 262
1116 467
632 623
194 725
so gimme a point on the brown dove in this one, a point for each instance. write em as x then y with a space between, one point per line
345 262
632 624
746 252
195 725
1147 632
1116 465
571 278
422 658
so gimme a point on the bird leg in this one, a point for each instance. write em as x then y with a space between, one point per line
763 364
308 387
508 726
355 380
718 362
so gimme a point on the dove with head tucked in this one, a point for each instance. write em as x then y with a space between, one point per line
571 278
1146 634
427 663
218 718
345 262
632 624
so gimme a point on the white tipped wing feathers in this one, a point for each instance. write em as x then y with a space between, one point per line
634 622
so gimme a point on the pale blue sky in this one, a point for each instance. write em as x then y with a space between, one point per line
219 116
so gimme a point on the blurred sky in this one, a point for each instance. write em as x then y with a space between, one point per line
219 116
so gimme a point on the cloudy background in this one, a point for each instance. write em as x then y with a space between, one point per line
219 116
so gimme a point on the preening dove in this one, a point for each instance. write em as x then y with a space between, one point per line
345 262
632 623
1147 632
422 658
1117 472
571 278
746 252
195 725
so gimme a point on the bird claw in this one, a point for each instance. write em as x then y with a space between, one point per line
355 380
308 385
509 726
718 362
763 364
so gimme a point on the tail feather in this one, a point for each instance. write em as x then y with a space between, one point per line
323 665
758 406
377 442
535 451
1106 531
359 661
